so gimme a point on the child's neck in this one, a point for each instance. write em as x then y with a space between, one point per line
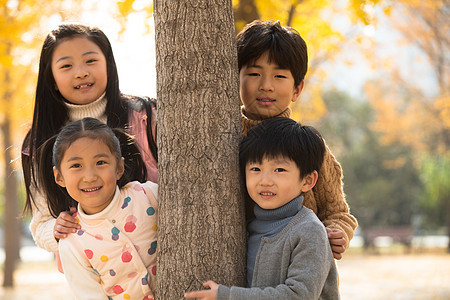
247 123
95 109
257 118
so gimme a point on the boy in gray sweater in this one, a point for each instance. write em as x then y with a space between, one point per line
288 255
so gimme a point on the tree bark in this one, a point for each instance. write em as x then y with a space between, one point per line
201 217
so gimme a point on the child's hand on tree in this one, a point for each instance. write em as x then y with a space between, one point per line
65 224
210 294
337 242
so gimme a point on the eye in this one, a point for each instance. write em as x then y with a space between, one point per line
253 74
75 166
101 163
280 76
280 170
65 66
255 169
93 60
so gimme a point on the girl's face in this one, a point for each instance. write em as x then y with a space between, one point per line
89 172
79 69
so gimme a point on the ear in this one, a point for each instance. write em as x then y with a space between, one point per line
309 181
58 177
297 91
120 168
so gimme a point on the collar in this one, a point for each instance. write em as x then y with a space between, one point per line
104 214
288 210
96 109
247 123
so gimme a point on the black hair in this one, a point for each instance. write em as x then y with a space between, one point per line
283 137
285 46
52 151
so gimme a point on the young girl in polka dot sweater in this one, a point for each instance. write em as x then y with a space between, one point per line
113 255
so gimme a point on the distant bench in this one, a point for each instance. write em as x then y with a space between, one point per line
402 235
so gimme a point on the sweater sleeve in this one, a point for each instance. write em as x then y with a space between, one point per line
311 266
84 282
332 208
42 223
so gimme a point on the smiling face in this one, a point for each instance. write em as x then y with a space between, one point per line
266 90
89 172
274 182
79 69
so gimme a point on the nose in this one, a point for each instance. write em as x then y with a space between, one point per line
266 179
89 175
266 84
81 72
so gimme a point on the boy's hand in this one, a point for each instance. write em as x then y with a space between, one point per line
206 294
65 224
337 242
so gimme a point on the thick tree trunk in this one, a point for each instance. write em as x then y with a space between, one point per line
201 221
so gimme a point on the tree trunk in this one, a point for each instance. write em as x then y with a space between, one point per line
201 221
11 224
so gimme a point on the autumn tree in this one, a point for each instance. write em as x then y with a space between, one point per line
409 115
11 89
19 46
201 221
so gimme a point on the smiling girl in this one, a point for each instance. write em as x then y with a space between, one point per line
113 254
78 78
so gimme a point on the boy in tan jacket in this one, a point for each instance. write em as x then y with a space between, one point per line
272 62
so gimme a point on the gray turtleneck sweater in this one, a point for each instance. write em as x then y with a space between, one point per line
292 257
267 223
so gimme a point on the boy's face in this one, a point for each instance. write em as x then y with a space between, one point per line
275 182
266 90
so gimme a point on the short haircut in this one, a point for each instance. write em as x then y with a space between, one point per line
283 137
285 45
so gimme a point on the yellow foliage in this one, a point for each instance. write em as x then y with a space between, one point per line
20 43
405 119
310 105
125 7
442 104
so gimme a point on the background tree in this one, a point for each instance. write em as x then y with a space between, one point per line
18 43
402 109
380 180
201 221
11 88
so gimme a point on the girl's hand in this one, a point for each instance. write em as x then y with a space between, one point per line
65 224
210 294
337 242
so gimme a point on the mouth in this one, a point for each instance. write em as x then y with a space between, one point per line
265 100
267 194
91 189
83 86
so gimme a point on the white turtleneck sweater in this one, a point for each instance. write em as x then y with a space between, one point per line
96 109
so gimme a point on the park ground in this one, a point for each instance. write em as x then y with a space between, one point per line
363 276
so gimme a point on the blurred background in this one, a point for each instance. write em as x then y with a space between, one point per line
377 87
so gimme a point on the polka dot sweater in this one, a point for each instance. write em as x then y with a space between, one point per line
113 255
